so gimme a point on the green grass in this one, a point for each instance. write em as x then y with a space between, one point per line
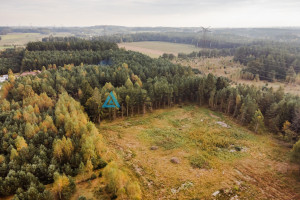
200 161
165 138
183 129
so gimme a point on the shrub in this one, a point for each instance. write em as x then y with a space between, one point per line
296 152
199 161
82 198
116 178
134 191
119 183
94 176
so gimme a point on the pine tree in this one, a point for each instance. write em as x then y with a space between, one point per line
296 120
290 75
127 100
94 106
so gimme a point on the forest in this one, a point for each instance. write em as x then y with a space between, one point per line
39 54
275 58
270 62
47 127
11 59
208 53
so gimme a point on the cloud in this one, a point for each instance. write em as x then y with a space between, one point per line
218 13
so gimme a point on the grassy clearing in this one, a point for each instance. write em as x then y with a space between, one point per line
21 39
156 49
233 161
225 66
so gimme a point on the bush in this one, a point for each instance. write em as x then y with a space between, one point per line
116 179
119 183
82 198
134 191
94 176
199 161
296 152
98 163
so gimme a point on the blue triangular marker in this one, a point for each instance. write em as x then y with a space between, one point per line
111 101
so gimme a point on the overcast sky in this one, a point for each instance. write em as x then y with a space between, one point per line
183 13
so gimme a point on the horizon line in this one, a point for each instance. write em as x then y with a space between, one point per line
62 26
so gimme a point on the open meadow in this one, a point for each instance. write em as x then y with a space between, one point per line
225 66
155 49
194 153
21 39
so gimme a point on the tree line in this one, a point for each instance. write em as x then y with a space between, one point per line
59 52
70 45
208 53
269 62
198 39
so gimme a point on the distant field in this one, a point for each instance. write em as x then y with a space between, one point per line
225 66
21 39
156 49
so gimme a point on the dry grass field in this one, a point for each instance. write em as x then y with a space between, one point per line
225 66
21 39
156 49
212 162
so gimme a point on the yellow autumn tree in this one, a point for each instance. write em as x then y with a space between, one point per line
13 154
62 148
116 179
136 79
29 115
36 109
60 182
258 122
88 147
5 105
70 115
67 147
288 133
29 130
89 167
42 101
57 149
2 158
17 115
48 124
20 143
120 184
6 87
